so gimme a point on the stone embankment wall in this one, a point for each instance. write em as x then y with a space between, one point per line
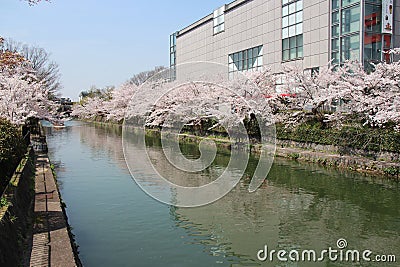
379 163
15 215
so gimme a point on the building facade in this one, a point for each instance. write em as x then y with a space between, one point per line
250 34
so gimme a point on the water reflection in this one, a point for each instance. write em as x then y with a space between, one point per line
301 206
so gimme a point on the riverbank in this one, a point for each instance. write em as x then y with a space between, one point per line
328 156
377 163
51 242
16 212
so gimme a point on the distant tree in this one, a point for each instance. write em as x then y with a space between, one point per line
141 77
9 60
109 102
94 92
46 70
91 108
34 2
119 102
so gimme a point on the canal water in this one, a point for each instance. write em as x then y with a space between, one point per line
301 207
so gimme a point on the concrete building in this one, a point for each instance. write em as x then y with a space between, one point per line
249 34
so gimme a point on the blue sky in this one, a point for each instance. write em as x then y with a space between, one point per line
98 42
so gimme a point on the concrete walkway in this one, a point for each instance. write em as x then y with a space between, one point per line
51 243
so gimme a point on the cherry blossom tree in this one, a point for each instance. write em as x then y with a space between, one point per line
371 97
332 95
119 102
224 103
22 94
375 96
21 97
93 107
112 107
335 93
278 95
46 70
10 60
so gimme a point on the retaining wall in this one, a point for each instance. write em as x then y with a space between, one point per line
15 217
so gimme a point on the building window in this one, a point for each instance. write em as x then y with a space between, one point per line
345 31
346 3
292 29
351 19
372 33
249 59
350 47
172 55
219 20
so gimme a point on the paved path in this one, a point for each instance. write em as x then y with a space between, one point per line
51 243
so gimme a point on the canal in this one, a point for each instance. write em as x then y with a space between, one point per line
300 207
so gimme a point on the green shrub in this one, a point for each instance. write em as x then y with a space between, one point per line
294 156
357 137
3 202
392 171
12 149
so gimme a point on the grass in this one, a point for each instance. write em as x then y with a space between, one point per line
3 202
